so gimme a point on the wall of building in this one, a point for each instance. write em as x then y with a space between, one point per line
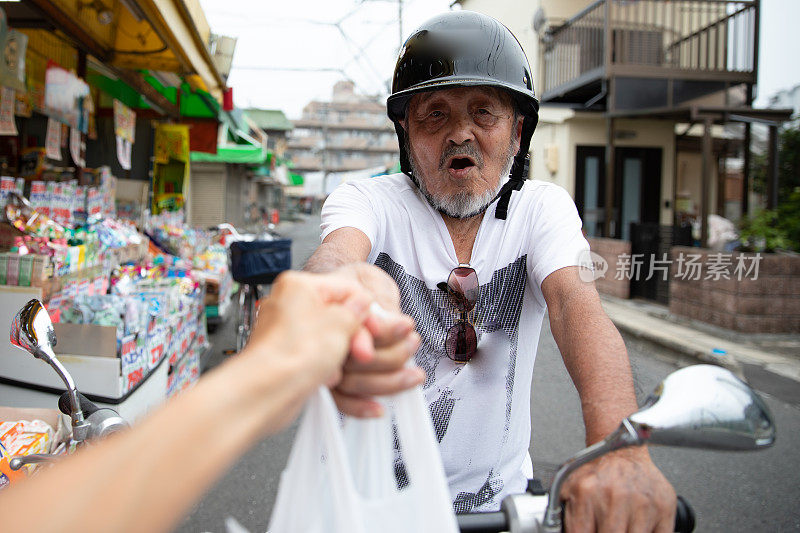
352 131
766 300
690 168
610 282
566 132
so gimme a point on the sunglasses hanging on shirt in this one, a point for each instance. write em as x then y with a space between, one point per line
461 341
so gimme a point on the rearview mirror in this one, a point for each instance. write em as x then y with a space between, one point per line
32 330
705 406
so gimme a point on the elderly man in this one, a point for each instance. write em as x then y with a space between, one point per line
479 253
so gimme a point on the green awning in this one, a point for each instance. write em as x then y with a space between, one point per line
193 104
117 89
198 104
243 154
295 179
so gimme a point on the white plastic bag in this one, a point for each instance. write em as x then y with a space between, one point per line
341 479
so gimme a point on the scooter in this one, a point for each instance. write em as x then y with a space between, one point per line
702 406
32 331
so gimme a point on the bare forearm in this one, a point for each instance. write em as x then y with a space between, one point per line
171 458
325 259
595 356
342 247
597 361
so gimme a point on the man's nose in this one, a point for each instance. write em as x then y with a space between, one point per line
461 130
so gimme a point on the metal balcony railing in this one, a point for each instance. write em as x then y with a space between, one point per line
696 37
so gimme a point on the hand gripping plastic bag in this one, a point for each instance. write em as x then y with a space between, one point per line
340 479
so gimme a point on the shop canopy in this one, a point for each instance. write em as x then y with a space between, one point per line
130 36
243 154
193 103
239 146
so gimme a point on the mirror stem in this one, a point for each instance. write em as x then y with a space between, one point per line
625 435
78 422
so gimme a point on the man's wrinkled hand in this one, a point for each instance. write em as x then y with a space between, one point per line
622 491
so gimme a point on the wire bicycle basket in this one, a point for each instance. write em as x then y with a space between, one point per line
260 262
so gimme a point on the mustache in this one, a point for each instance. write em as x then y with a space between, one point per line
468 149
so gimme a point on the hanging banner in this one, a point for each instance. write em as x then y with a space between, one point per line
124 122
7 103
22 107
125 132
170 167
12 67
77 147
52 141
65 97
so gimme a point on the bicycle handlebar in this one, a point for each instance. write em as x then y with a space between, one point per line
497 521
87 406
684 516
482 522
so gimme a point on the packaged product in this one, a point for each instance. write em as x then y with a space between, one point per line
8 476
25 270
3 269
10 431
12 277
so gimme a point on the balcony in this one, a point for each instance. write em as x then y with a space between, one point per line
648 54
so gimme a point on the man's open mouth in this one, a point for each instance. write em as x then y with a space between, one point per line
460 163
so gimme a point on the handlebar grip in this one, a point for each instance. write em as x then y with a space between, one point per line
482 522
684 516
86 404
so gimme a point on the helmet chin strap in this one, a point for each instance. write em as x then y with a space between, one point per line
519 170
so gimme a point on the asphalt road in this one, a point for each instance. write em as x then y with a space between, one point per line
730 492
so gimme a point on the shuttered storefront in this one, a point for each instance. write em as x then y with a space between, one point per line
207 191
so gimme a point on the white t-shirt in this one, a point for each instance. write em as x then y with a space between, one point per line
480 410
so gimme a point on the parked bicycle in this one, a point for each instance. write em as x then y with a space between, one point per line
255 262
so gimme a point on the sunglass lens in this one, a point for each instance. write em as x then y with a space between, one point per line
461 342
463 284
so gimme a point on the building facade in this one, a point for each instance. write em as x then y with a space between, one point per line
348 133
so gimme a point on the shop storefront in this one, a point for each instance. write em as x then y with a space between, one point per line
95 102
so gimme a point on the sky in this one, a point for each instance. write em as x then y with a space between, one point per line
359 40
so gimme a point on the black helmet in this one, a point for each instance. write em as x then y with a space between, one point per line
463 49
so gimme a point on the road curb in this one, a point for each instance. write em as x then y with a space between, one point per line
684 349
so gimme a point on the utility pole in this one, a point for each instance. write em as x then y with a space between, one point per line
324 148
400 24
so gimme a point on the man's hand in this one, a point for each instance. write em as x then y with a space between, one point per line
622 491
379 351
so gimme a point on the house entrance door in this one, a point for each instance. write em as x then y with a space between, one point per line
638 178
590 186
638 188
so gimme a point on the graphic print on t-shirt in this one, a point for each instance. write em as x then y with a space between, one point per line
497 311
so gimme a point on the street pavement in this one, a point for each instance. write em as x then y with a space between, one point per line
730 491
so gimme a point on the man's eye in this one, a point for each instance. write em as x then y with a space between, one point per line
484 112
436 114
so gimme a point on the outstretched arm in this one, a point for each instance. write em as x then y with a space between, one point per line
145 478
623 488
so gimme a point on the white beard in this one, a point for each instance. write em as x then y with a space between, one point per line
462 204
